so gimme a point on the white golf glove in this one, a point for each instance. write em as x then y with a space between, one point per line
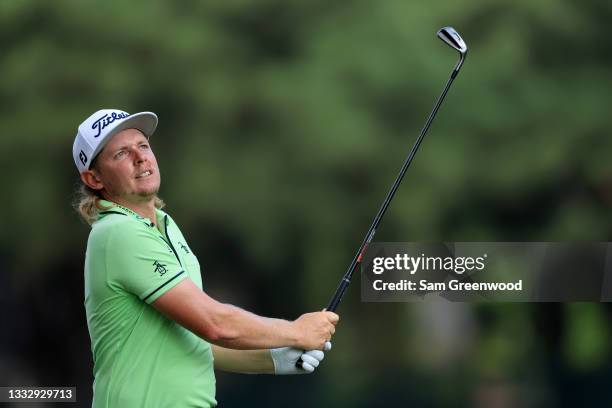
285 358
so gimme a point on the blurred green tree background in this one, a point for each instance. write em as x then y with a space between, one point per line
282 125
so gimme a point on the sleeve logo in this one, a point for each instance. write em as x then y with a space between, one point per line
160 268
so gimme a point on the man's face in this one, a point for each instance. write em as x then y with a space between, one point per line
126 168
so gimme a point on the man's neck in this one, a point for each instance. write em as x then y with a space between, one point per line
145 208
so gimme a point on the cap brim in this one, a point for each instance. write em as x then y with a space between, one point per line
146 122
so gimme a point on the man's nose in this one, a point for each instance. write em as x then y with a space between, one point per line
139 156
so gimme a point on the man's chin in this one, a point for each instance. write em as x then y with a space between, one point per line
147 194
147 191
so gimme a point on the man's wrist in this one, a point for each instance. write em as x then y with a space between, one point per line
267 362
293 335
271 357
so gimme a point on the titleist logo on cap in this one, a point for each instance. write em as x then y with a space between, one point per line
106 120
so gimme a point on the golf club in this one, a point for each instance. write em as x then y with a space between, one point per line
451 37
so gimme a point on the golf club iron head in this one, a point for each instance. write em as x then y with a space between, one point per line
450 36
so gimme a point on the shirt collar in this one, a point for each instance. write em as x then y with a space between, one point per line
112 207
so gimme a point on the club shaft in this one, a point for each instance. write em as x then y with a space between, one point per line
346 280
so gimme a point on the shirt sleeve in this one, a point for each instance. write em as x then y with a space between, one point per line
141 262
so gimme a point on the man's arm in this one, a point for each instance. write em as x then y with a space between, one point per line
279 361
243 361
231 327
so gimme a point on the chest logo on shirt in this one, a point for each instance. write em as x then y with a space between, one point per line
160 268
185 248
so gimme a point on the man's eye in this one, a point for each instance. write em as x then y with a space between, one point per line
120 154
144 146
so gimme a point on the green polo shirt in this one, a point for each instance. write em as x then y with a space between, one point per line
141 358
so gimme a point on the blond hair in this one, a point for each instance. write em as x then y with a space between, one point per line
87 203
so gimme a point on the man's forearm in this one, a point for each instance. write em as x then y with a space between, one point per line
231 327
243 361
223 324
238 329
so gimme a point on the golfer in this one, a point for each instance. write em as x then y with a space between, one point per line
156 336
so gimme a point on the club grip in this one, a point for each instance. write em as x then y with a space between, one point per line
333 304
335 301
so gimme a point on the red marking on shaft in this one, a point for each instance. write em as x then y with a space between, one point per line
361 253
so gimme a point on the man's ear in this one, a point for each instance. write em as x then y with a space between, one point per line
92 180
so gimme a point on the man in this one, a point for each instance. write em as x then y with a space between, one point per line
155 334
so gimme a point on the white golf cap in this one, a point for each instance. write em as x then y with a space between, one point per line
99 128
